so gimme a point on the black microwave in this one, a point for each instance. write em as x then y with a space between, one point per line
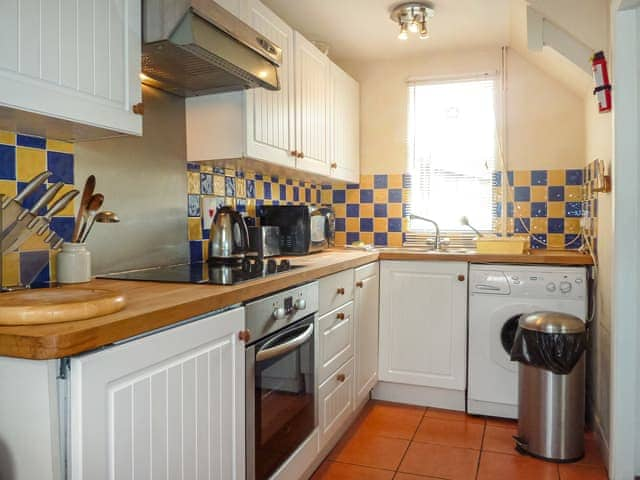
303 229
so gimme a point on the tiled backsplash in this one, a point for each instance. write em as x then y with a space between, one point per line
21 158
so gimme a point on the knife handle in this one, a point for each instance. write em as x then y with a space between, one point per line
31 187
60 204
46 198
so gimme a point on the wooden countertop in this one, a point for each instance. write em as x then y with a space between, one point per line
152 305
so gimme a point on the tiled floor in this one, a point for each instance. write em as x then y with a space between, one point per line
400 442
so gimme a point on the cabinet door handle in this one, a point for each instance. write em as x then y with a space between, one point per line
334 165
293 153
360 284
244 335
461 278
300 155
341 377
138 108
340 316
341 291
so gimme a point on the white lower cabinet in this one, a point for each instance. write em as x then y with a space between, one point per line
336 402
336 340
423 323
367 296
165 406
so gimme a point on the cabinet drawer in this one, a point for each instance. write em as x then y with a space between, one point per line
335 290
335 402
365 271
335 333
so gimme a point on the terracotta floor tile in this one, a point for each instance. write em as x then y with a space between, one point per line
498 439
390 420
410 476
592 454
452 415
450 432
344 471
370 451
499 466
502 422
571 471
440 461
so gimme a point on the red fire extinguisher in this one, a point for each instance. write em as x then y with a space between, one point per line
601 79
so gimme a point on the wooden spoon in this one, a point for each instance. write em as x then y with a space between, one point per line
87 193
94 205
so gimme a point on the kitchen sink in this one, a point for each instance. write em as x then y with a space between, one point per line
427 249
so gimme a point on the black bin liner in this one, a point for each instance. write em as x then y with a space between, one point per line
556 352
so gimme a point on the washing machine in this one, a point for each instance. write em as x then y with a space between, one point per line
498 296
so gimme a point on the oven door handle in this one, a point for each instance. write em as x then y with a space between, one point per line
285 347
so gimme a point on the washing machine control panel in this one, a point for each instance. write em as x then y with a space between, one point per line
540 284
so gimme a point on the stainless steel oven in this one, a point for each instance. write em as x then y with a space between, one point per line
281 403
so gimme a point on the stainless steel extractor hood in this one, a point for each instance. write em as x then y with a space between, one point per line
196 47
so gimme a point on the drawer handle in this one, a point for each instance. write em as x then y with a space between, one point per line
341 377
244 335
293 153
359 284
340 316
138 108
341 291
300 155
334 165
461 278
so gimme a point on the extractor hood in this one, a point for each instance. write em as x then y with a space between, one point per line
196 47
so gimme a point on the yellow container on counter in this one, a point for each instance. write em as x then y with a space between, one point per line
508 245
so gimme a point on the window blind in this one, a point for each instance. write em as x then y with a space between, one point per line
452 154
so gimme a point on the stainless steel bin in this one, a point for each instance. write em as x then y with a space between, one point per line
551 405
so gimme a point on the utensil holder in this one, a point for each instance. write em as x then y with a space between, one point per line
73 263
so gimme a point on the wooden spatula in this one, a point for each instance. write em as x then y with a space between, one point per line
87 193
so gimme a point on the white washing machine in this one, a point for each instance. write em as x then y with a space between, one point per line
498 295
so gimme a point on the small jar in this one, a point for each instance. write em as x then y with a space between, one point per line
73 263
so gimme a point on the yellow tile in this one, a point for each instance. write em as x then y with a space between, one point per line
556 177
555 209
29 163
326 197
510 225
394 239
394 210
521 178
218 185
571 225
339 186
406 195
11 269
538 225
366 210
240 188
289 193
193 182
250 175
251 207
195 229
8 187
230 201
522 209
366 237
341 239
573 193
229 172
205 249
53 258
539 193
380 225
555 240
394 181
69 210
7 138
340 210
353 224
353 196
59 146
35 242
259 189
366 181
380 195
497 194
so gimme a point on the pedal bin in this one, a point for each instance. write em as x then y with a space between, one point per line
549 347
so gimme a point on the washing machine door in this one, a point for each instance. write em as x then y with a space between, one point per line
504 323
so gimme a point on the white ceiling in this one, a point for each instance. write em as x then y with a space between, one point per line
362 29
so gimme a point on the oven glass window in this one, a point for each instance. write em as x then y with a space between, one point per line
284 403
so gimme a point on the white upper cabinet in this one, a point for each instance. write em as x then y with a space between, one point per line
239 8
344 126
69 65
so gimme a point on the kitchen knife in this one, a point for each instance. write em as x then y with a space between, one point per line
42 223
25 218
12 207
87 193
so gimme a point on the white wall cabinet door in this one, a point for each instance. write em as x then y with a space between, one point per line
312 106
238 8
270 120
344 126
366 329
168 405
423 323
72 61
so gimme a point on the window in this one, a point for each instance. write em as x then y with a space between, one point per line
452 153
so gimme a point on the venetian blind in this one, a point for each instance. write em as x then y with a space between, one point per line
452 153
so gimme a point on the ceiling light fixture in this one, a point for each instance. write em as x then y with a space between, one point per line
412 17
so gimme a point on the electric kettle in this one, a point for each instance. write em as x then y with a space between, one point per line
229 238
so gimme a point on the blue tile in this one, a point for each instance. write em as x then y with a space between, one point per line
339 196
366 195
275 202
353 210
274 179
510 177
206 233
538 241
63 226
61 167
380 238
31 200
283 192
556 194
538 177
573 177
538 209
241 205
380 210
301 183
259 176
259 203
218 170
521 225
7 162
206 183
573 209
30 141
406 180
380 181
395 195
250 187
289 203
555 225
239 174
193 167
366 224
573 241
395 225
595 207
250 221
352 237
497 179
406 209
230 186
353 186
341 224
267 191
510 209
522 194
325 186
296 194
313 186
193 205
307 195
318 196
289 181
195 251
31 264
43 279
497 208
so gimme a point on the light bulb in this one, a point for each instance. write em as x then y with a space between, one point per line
413 26
403 32
424 33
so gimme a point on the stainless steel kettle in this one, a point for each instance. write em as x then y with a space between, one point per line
229 237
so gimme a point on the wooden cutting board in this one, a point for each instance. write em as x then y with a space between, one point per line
54 305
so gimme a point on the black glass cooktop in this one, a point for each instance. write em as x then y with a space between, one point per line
216 273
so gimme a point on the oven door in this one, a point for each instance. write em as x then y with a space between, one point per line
281 404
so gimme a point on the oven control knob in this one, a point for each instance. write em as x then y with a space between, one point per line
300 304
565 287
551 287
279 313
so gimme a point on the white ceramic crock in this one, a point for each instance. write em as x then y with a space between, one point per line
73 263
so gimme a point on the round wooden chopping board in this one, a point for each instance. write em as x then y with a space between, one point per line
53 305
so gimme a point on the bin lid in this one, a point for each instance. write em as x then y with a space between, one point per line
551 322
